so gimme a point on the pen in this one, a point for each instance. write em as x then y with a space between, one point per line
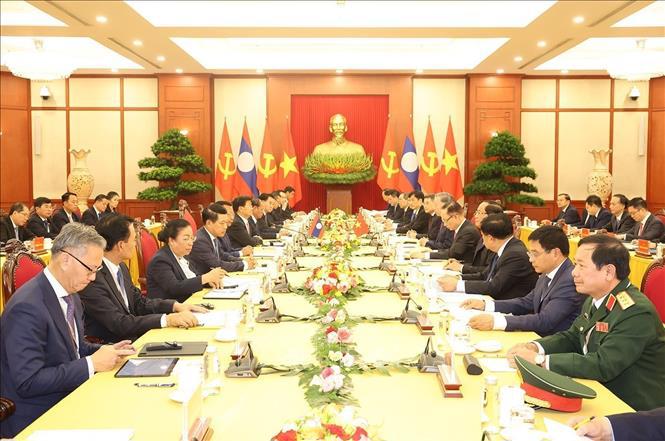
583 422
154 384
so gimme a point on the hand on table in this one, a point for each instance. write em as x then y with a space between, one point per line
247 251
251 263
411 234
183 319
598 429
527 351
213 277
417 255
422 241
447 283
453 265
473 304
482 322
180 307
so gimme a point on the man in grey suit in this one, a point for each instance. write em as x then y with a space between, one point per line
551 306
621 221
647 226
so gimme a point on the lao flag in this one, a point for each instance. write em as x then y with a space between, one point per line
317 228
408 177
246 167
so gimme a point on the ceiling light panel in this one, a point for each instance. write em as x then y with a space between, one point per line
598 53
350 14
85 52
339 53
20 13
652 15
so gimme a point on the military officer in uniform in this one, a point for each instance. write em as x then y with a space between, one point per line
618 339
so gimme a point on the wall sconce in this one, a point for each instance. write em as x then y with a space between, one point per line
494 133
184 132
45 93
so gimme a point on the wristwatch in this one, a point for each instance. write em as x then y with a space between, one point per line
540 360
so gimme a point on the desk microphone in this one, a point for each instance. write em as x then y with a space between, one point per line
429 360
270 314
409 316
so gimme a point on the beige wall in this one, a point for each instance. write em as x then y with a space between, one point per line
538 133
538 94
584 93
629 153
236 99
97 130
438 100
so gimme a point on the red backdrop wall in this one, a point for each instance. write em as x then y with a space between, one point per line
367 119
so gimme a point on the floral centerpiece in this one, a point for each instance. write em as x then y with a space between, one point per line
339 169
331 422
339 235
333 283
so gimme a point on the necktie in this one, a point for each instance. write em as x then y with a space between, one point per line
639 233
216 247
413 215
123 293
48 230
249 231
545 291
69 300
490 273
16 233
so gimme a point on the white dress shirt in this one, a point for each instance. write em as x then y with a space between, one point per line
113 268
461 283
184 265
60 292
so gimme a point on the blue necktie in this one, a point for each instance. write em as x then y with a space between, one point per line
490 273
71 322
123 292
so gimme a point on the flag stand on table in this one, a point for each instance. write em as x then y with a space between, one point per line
225 167
362 227
316 229
451 177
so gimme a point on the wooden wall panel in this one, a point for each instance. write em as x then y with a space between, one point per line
656 145
185 103
15 140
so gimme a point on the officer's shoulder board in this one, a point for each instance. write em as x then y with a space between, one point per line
625 300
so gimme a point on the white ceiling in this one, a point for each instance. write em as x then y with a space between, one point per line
358 36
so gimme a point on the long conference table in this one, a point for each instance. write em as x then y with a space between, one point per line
132 263
404 406
638 265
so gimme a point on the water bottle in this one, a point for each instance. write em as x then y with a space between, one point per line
212 362
489 420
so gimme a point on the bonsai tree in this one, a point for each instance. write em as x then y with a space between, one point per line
501 174
174 156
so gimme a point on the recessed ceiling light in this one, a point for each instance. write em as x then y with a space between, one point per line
101 19
517 59
419 71
564 71
499 71
137 43
161 58
178 70
114 70
259 71
579 19
542 43
339 71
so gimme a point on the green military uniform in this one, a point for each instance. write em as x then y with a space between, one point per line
622 345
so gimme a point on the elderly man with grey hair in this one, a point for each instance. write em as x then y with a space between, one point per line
43 355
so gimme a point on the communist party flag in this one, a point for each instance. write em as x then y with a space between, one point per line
430 166
289 174
451 178
267 172
245 180
225 168
388 167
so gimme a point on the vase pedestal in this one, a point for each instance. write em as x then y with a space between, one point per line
339 196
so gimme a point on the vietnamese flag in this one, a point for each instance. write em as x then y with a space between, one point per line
267 172
245 179
225 168
288 173
389 165
430 166
362 227
451 178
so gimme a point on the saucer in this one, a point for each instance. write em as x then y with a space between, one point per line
489 346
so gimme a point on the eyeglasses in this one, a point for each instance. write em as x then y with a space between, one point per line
90 270
534 255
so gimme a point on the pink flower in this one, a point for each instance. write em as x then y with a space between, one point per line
344 335
326 372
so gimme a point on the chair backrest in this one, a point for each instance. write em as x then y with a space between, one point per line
653 286
19 268
146 247
661 217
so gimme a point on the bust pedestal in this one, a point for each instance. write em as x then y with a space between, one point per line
339 196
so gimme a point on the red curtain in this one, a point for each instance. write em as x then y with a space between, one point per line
367 119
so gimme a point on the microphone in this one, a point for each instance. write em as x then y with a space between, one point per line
429 360
269 314
245 366
409 316
295 231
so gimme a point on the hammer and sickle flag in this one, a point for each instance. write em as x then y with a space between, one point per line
268 165
389 165
430 165
225 167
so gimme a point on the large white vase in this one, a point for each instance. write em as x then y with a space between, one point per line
80 180
600 178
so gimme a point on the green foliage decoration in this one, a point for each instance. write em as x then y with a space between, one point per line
500 175
174 156
339 169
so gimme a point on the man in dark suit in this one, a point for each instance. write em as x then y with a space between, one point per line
647 226
240 231
269 204
43 353
482 257
403 204
13 226
98 210
68 212
394 212
631 426
433 225
419 219
597 216
465 235
621 221
568 213
258 224
551 306
39 223
114 308
509 275
207 252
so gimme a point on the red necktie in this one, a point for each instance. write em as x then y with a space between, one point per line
639 233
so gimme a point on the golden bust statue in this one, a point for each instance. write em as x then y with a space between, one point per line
338 145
